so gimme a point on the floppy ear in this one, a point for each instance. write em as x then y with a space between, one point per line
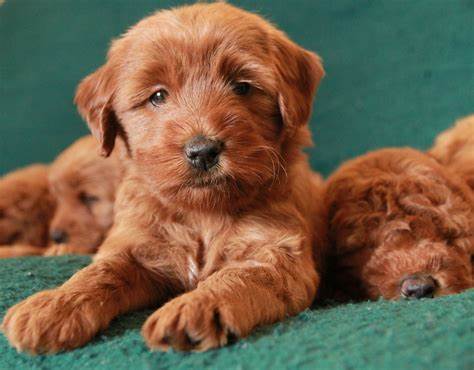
299 74
94 102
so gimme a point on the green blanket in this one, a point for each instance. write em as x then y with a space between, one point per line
398 72
426 334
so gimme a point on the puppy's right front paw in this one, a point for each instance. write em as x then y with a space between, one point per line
50 321
64 249
56 250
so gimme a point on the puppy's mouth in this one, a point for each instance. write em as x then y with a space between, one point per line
200 182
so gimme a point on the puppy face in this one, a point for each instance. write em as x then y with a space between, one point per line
26 207
410 269
209 100
84 186
402 266
401 226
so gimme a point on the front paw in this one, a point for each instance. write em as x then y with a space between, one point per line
64 249
56 250
192 322
50 321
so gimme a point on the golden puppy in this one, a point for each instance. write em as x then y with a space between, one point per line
454 148
84 185
216 218
400 225
26 209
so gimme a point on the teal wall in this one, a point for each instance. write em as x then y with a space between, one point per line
398 71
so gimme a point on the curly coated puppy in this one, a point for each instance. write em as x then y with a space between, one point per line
70 207
454 148
215 221
26 209
84 185
400 225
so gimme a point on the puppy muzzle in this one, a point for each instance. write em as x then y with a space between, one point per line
417 286
203 153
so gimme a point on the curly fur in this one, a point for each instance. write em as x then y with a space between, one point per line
394 213
223 251
40 200
78 174
454 148
26 208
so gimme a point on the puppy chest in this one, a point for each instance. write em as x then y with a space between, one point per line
195 262
190 253
197 249
203 260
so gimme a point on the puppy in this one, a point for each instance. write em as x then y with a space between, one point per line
217 213
400 225
26 209
454 148
84 185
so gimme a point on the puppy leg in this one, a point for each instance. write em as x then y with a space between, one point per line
63 249
229 304
69 316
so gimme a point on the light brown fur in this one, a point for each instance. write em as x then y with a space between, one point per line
74 195
222 251
26 207
84 185
396 213
454 148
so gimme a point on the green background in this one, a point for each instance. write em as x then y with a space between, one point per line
398 71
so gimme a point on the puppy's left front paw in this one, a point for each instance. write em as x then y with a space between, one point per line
56 250
191 322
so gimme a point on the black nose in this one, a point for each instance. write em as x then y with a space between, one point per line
414 287
59 236
203 153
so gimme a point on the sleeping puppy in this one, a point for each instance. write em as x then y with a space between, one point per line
26 209
215 221
400 225
81 185
84 185
454 148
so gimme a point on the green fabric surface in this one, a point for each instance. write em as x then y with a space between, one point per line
398 72
427 334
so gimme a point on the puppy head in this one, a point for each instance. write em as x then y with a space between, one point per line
212 102
401 225
455 149
26 207
84 185
427 252
410 269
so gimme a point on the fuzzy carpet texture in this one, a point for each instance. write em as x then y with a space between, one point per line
427 334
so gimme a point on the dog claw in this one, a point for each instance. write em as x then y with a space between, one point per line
192 341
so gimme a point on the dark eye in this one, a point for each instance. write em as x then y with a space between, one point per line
241 88
87 199
158 97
